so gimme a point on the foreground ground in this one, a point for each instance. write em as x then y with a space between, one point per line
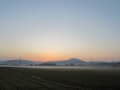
58 79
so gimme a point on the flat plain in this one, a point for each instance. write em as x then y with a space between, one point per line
12 78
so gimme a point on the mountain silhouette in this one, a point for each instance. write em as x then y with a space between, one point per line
72 61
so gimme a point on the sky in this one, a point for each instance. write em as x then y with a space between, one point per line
60 29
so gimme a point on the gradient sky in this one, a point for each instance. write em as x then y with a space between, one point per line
60 29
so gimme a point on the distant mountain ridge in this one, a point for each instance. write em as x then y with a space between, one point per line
28 62
68 62
18 62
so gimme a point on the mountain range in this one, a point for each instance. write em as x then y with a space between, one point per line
18 62
71 62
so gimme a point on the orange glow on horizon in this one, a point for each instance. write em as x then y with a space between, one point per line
48 56
54 56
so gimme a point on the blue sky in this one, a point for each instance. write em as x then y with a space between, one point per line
60 29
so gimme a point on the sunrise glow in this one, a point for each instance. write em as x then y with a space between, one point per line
46 30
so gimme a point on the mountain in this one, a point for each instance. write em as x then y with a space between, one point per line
1 61
68 62
72 61
17 62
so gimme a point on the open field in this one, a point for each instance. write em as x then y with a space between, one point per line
12 78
